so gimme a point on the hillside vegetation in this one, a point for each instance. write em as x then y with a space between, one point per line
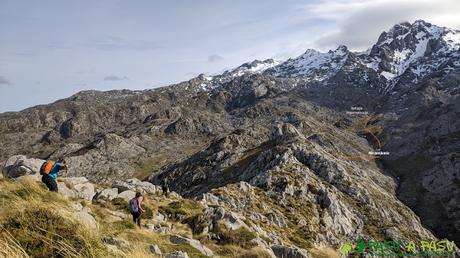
37 223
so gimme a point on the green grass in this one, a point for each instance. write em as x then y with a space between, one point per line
146 168
119 203
42 232
241 237
185 208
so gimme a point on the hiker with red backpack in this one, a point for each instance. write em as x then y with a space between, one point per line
50 171
135 207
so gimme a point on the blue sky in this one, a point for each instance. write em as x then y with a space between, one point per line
51 49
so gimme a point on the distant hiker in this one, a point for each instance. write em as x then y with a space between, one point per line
165 187
135 207
50 171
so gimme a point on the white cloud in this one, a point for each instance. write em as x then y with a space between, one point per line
115 78
359 22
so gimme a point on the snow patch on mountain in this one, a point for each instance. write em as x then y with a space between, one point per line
312 64
452 38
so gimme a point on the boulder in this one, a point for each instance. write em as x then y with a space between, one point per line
119 214
85 191
393 233
160 228
119 243
76 206
177 254
159 217
323 199
233 222
78 187
127 195
285 132
154 249
20 165
135 184
75 180
276 219
192 242
86 219
282 251
109 194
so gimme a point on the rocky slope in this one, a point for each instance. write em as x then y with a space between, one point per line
291 132
172 227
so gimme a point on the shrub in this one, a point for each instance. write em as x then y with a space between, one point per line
254 253
120 203
10 248
123 224
173 209
148 214
241 236
22 192
44 233
198 223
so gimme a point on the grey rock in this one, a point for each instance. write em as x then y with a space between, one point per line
109 194
119 214
281 251
135 184
154 249
78 187
285 132
323 200
119 243
177 254
86 219
127 195
393 233
160 228
20 165
77 206
192 242
277 220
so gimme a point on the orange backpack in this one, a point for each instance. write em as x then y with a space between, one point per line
46 167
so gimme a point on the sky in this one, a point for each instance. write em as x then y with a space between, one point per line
51 49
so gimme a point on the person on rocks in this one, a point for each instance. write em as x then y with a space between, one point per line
135 208
50 171
165 187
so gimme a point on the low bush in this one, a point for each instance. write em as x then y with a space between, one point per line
254 253
120 203
241 237
173 209
148 214
123 224
44 233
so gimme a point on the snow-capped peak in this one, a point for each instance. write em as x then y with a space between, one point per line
407 50
312 64
404 44
255 66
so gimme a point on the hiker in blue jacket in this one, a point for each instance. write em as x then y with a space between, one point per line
50 171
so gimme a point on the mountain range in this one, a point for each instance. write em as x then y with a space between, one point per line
317 150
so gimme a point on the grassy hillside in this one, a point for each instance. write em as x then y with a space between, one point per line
37 223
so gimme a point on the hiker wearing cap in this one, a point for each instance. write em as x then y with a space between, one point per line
50 171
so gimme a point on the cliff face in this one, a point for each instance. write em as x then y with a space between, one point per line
302 134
